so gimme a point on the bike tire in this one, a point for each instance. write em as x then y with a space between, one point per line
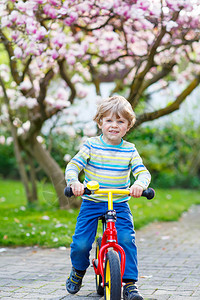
98 278
112 276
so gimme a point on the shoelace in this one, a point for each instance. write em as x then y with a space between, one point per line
76 278
130 287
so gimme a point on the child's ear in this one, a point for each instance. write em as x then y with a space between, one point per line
99 124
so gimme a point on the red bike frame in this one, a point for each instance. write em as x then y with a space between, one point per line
109 239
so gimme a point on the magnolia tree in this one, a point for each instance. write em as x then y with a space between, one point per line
54 47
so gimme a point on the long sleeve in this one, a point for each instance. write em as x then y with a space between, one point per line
140 172
77 163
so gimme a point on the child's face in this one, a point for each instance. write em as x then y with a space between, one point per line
113 128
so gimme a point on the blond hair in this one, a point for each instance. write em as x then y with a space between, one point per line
116 105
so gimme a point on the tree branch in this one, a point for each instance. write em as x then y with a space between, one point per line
138 81
13 63
170 108
166 69
66 78
43 91
17 148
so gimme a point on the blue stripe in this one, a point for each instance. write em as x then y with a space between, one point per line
86 146
70 169
137 167
78 161
125 167
114 150
108 185
108 169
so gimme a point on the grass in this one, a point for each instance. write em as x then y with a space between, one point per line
46 225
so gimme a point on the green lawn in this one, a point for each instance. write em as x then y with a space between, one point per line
46 225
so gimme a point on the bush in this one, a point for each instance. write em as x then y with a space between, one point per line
169 154
8 164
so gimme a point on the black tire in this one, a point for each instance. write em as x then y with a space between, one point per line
99 288
112 276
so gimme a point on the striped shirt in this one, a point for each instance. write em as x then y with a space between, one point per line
110 165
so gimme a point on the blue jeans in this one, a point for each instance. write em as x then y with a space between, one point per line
86 229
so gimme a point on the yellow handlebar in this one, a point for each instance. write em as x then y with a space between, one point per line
93 186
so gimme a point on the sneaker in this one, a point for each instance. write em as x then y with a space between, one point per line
130 292
74 281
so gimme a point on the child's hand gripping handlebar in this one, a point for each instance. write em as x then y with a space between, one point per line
149 193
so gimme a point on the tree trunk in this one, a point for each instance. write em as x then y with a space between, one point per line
21 165
33 179
17 148
53 171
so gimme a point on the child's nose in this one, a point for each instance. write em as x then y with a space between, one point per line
114 124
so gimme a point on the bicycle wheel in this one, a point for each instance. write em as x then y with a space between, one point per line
112 276
99 288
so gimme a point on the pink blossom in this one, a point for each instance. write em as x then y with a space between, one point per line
41 47
23 44
71 131
59 104
2 139
50 101
54 2
21 102
9 140
31 102
67 157
21 20
84 46
25 85
40 1
31 49
59 40
81 91
170 25
40 33
21 6
31 28
89 130
14 16
26 125
76 78
39 62
15 35
54 54
62 52
62 94
144 5
50 11
71 19
18 52
83 7
173 5
70 60
6 22
40 140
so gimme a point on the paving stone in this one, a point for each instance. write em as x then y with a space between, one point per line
169 266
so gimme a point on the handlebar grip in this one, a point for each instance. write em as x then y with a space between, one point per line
149 193
68 191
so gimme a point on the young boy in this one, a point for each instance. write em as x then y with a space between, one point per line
109 160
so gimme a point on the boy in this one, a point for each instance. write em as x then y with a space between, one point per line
109 160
